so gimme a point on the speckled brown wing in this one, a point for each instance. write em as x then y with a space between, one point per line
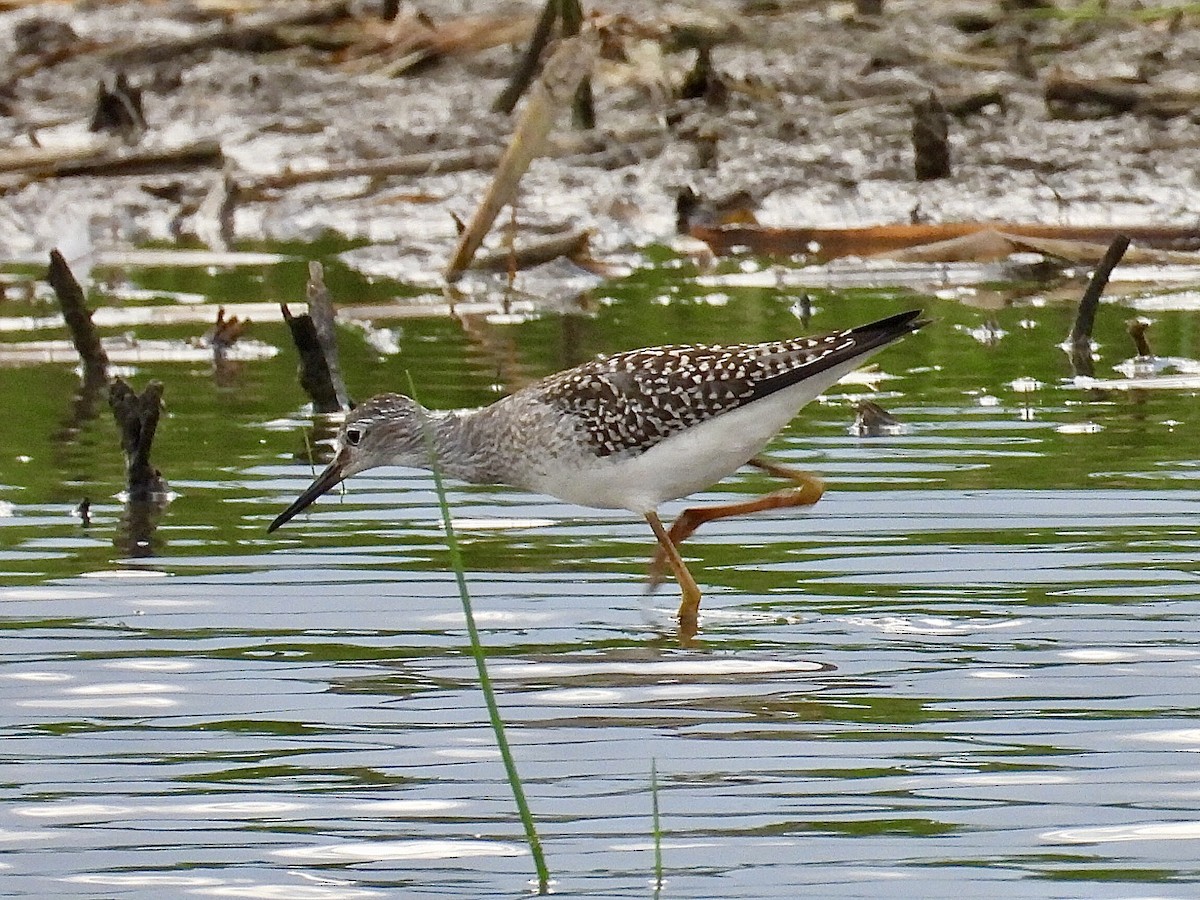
631 401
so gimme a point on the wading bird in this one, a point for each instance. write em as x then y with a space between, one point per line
628 431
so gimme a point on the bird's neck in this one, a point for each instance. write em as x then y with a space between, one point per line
458 447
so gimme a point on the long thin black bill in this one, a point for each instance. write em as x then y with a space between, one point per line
323 482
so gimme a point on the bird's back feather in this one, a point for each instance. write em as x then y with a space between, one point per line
628 402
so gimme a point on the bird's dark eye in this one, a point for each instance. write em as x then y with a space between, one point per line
353 436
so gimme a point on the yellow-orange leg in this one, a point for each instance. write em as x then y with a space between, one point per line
807 492
689 606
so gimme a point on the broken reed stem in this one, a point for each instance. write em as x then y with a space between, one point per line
507 101
1137 331
480 657
561 76
1080 337
583 109
315 337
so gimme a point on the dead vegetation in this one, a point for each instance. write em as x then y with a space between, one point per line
233 122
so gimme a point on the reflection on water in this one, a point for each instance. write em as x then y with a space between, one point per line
970 669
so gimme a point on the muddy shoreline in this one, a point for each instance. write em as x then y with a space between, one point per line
809 115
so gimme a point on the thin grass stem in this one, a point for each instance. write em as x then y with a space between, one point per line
485 681
309 454
657 827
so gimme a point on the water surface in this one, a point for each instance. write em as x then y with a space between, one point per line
971 669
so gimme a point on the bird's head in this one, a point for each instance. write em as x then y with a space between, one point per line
390 429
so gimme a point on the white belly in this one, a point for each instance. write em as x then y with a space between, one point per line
690 461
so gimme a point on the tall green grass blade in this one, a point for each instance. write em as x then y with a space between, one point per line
485 681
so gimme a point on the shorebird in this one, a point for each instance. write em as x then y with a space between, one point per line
628 431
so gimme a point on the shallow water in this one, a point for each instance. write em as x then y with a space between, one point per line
970 670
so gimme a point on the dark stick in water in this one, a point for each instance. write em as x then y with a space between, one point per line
1085 319
79 319
1079 341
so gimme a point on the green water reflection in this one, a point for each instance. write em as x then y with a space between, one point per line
971 668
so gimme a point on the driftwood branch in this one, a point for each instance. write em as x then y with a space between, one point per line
414 164
1070 96
198 155
571 244
248 34
105 160
832 243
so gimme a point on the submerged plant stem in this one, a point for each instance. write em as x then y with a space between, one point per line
485 681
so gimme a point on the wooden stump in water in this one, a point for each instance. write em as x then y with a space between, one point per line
137 417
313 369
316 341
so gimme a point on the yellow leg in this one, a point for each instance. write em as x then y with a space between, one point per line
811 486
689 606
808 491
